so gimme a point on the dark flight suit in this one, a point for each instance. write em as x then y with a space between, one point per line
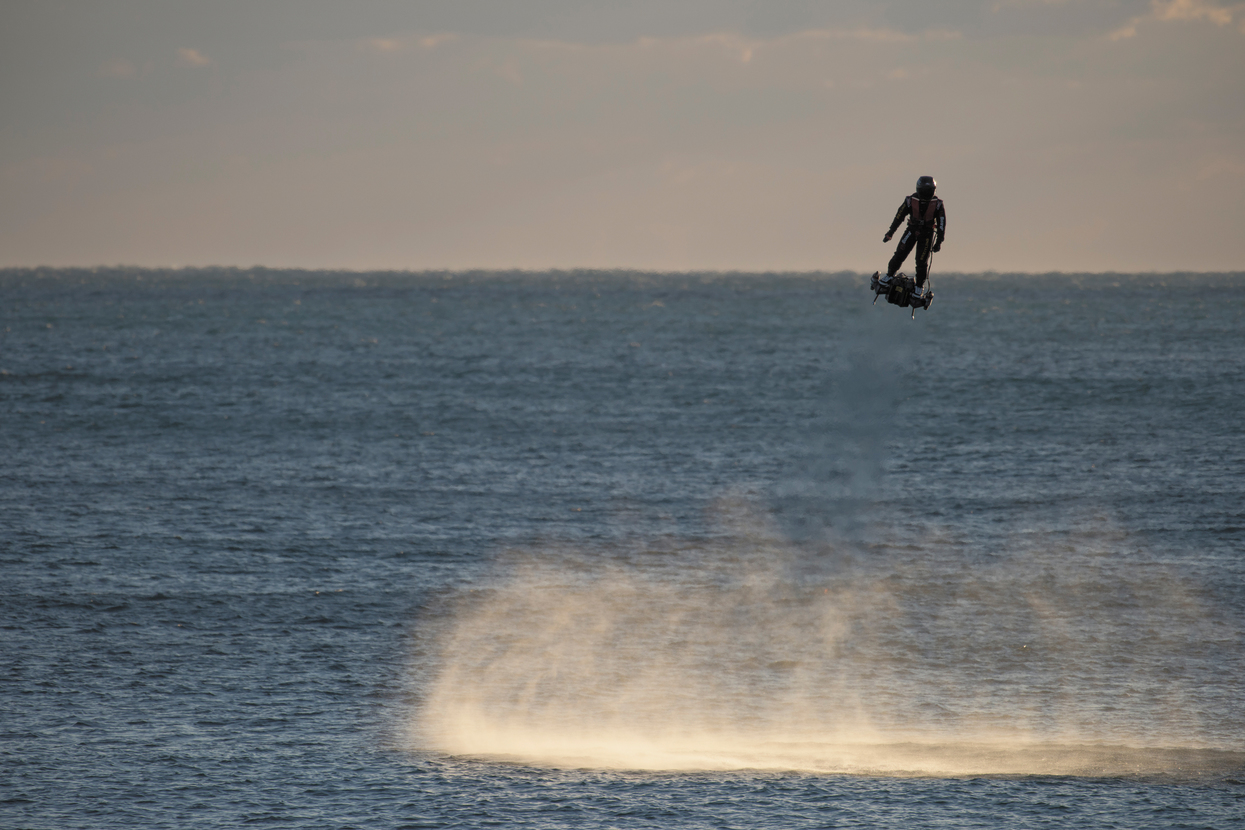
926 217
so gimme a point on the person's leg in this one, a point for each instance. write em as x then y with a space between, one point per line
901 252
924 249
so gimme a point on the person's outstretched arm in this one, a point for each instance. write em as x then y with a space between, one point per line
899 215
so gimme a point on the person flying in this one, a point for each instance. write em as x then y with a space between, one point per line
927 227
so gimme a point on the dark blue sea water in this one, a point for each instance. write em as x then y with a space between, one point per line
620 550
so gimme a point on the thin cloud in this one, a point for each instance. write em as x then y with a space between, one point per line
741 46
1126 31
118 69
192 57
872 35
746 48
1192 10
399 43
433 41
1182 10
1004 4
385 44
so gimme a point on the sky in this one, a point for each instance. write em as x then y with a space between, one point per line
776 135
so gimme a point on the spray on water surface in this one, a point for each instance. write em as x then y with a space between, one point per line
743 659
826 631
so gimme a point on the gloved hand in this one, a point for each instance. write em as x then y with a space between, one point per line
937 245
887 238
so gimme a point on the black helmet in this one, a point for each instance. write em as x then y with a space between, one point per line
925 186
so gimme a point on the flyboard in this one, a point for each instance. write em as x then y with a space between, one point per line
901 290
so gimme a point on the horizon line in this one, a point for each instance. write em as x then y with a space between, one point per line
170 270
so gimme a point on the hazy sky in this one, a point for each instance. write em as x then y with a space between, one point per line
694 134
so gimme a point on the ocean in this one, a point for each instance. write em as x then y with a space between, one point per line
610 549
